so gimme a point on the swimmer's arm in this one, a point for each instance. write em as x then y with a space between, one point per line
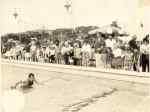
18 83
37 82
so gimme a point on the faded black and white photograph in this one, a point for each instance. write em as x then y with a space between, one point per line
75 55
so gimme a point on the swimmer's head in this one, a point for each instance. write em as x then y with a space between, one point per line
31 75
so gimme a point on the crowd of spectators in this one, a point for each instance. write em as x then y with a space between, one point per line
108 52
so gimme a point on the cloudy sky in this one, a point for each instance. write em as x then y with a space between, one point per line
50 14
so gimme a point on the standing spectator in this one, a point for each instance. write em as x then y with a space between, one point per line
77 54
8 54
52 53
110 42
135 50
118 59
65 52
145 55
128 61
3 49
92 57
100 43
18 52
44 52
39 54
26 53
33 52
47 54
86 53
58 52
109 57
133 43
117 52
136 58
13 53
71 53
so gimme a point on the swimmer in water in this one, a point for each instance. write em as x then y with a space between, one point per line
27 83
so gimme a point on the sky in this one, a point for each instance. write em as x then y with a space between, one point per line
51 14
